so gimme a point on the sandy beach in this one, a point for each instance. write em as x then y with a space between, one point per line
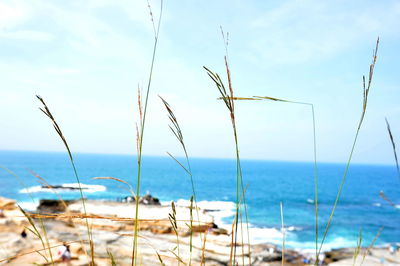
112 230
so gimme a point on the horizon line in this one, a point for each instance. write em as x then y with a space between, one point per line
200 157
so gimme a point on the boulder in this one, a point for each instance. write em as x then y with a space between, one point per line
149 200
53 206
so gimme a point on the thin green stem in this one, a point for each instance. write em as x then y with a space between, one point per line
315 184
142 126
339 192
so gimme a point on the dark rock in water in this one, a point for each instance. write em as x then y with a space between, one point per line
149 200
338 254
145 200
62 187
52 206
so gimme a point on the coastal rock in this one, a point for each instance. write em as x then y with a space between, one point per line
7 204
147 199
53 206
338 254
63 187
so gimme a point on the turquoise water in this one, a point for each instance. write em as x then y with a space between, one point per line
269 182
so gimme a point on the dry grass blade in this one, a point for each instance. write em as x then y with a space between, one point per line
35 231
82 216
393 146
383 196
178 258
112 259
172 219
371 245
358 247
112 178
47 112
191 230
203 248
160 259
180 164
118 180
44 183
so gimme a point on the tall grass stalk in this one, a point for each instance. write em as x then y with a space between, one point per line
393 147
358 247
57 128
371 245
176 130
366 89
314 151
141 130
227 97
172 220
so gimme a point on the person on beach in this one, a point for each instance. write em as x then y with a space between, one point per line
64 253
23 234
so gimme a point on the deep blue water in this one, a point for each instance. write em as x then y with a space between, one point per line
268 182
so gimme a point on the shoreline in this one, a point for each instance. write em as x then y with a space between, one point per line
112 227
220 210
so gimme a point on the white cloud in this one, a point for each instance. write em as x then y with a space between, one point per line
12 14
300 31
62 71
27 35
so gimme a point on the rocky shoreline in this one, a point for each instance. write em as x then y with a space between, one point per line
112 230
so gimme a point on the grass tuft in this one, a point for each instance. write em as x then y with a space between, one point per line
47 112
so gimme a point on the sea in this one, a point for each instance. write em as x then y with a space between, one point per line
268 183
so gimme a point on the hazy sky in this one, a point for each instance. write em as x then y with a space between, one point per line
87 58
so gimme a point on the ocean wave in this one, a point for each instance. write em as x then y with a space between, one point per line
68 187
218 209
221 210
308 247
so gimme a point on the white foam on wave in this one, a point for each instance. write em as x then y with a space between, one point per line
258 235
218 209
29 205
309 247
69 187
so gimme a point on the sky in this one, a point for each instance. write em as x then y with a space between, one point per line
88 58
